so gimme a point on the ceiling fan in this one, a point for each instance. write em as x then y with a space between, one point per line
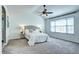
45 12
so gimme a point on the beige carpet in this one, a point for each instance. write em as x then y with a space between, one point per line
53 46
17 43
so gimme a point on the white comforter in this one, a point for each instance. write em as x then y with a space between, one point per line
36 37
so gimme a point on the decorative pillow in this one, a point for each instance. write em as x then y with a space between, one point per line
36 31
31 30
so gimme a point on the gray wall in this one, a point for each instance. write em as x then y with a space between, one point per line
65 36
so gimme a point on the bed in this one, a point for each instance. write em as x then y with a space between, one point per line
34 35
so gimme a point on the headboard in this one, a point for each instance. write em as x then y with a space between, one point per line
31 28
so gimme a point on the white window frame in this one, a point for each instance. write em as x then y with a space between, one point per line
66 29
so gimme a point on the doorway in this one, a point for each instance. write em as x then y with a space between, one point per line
3 25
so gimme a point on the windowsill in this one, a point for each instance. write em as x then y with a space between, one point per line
63 33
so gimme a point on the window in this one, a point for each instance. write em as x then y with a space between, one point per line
53 26
61 26
70 25
65 25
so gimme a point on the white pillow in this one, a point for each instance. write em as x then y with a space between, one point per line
26 31
36 31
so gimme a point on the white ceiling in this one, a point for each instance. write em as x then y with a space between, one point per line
59 9
21 8
56 9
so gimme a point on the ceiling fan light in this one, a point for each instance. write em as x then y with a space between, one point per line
43 15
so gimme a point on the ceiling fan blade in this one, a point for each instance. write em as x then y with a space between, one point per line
49 12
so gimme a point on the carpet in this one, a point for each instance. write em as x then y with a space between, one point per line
53 46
